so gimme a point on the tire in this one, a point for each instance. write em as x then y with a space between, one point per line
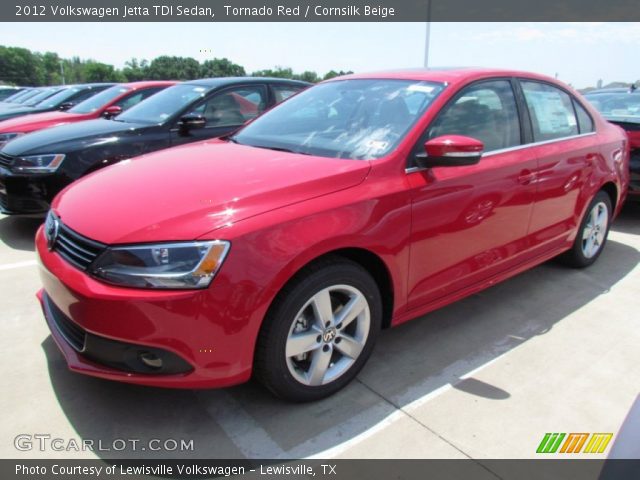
590 240
310 346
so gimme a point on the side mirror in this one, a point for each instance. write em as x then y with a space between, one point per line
111 111
191 122
450 151
65 106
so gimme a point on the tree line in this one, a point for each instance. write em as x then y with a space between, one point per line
21 66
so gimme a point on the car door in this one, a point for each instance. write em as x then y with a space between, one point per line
566 146
224 111
471 222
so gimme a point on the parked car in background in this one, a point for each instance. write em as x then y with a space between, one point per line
622 107
15 98
360 203
106 104
55 98
8 90
35 167
31 98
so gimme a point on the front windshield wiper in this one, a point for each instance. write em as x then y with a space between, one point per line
281 149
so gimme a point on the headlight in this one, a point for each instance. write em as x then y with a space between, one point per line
38 163
5 137
162 265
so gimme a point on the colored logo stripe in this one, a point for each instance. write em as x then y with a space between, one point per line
598 442
550 443
574 442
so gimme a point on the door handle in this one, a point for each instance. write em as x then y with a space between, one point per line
526 177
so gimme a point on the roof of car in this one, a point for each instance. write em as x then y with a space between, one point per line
445 74
148 83
223 81
613 90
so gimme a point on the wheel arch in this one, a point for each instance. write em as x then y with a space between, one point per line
368 260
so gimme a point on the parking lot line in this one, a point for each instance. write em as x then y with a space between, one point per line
11 266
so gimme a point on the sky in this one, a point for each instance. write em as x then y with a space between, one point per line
578 53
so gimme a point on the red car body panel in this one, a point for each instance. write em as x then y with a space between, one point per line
440 234
39 121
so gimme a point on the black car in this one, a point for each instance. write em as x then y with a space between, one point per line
34 167
25 93
621 106
54 98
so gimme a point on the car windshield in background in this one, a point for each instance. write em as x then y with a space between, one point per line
100 100
356 119
58 98
163 105
617 107
36 99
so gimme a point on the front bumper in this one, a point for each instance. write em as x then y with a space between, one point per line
183 325
27 194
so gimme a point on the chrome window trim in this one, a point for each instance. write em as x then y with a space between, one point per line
535 144
514 148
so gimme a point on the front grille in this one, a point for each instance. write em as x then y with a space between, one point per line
76 249
6 160
72 333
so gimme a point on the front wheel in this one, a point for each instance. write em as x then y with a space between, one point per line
592 234
319 332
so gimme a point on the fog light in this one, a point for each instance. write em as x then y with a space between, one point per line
151 360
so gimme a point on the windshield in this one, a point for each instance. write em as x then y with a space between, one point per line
17 96
100 100
59 98
163 105
46 93
621 107
357 119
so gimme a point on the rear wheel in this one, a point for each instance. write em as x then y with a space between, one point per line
592 234
319 332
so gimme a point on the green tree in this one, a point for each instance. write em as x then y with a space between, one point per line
174 68
20 66
333 74
277 72
221 67
136 70
100 72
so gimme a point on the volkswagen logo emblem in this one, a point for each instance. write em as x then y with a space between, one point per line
329 334
51 227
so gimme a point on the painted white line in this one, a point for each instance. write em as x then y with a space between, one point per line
349 430
11 266
246 434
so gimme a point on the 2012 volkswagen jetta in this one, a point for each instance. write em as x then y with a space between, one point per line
359 204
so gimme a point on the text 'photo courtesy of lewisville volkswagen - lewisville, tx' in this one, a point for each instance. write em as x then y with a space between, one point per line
353 240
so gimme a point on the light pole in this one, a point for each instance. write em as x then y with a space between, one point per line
427 35
62 71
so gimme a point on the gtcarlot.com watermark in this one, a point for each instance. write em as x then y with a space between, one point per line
44 442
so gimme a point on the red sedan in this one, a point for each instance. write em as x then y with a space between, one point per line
106 104
358 204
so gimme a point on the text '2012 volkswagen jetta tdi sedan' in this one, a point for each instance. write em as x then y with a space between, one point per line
359 204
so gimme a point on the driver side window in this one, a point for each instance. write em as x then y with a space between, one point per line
485 111
232 107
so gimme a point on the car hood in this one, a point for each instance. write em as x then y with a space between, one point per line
74 136
38 121
21 110
185 192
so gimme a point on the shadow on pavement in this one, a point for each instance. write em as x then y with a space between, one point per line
411 361
19 232
629 219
